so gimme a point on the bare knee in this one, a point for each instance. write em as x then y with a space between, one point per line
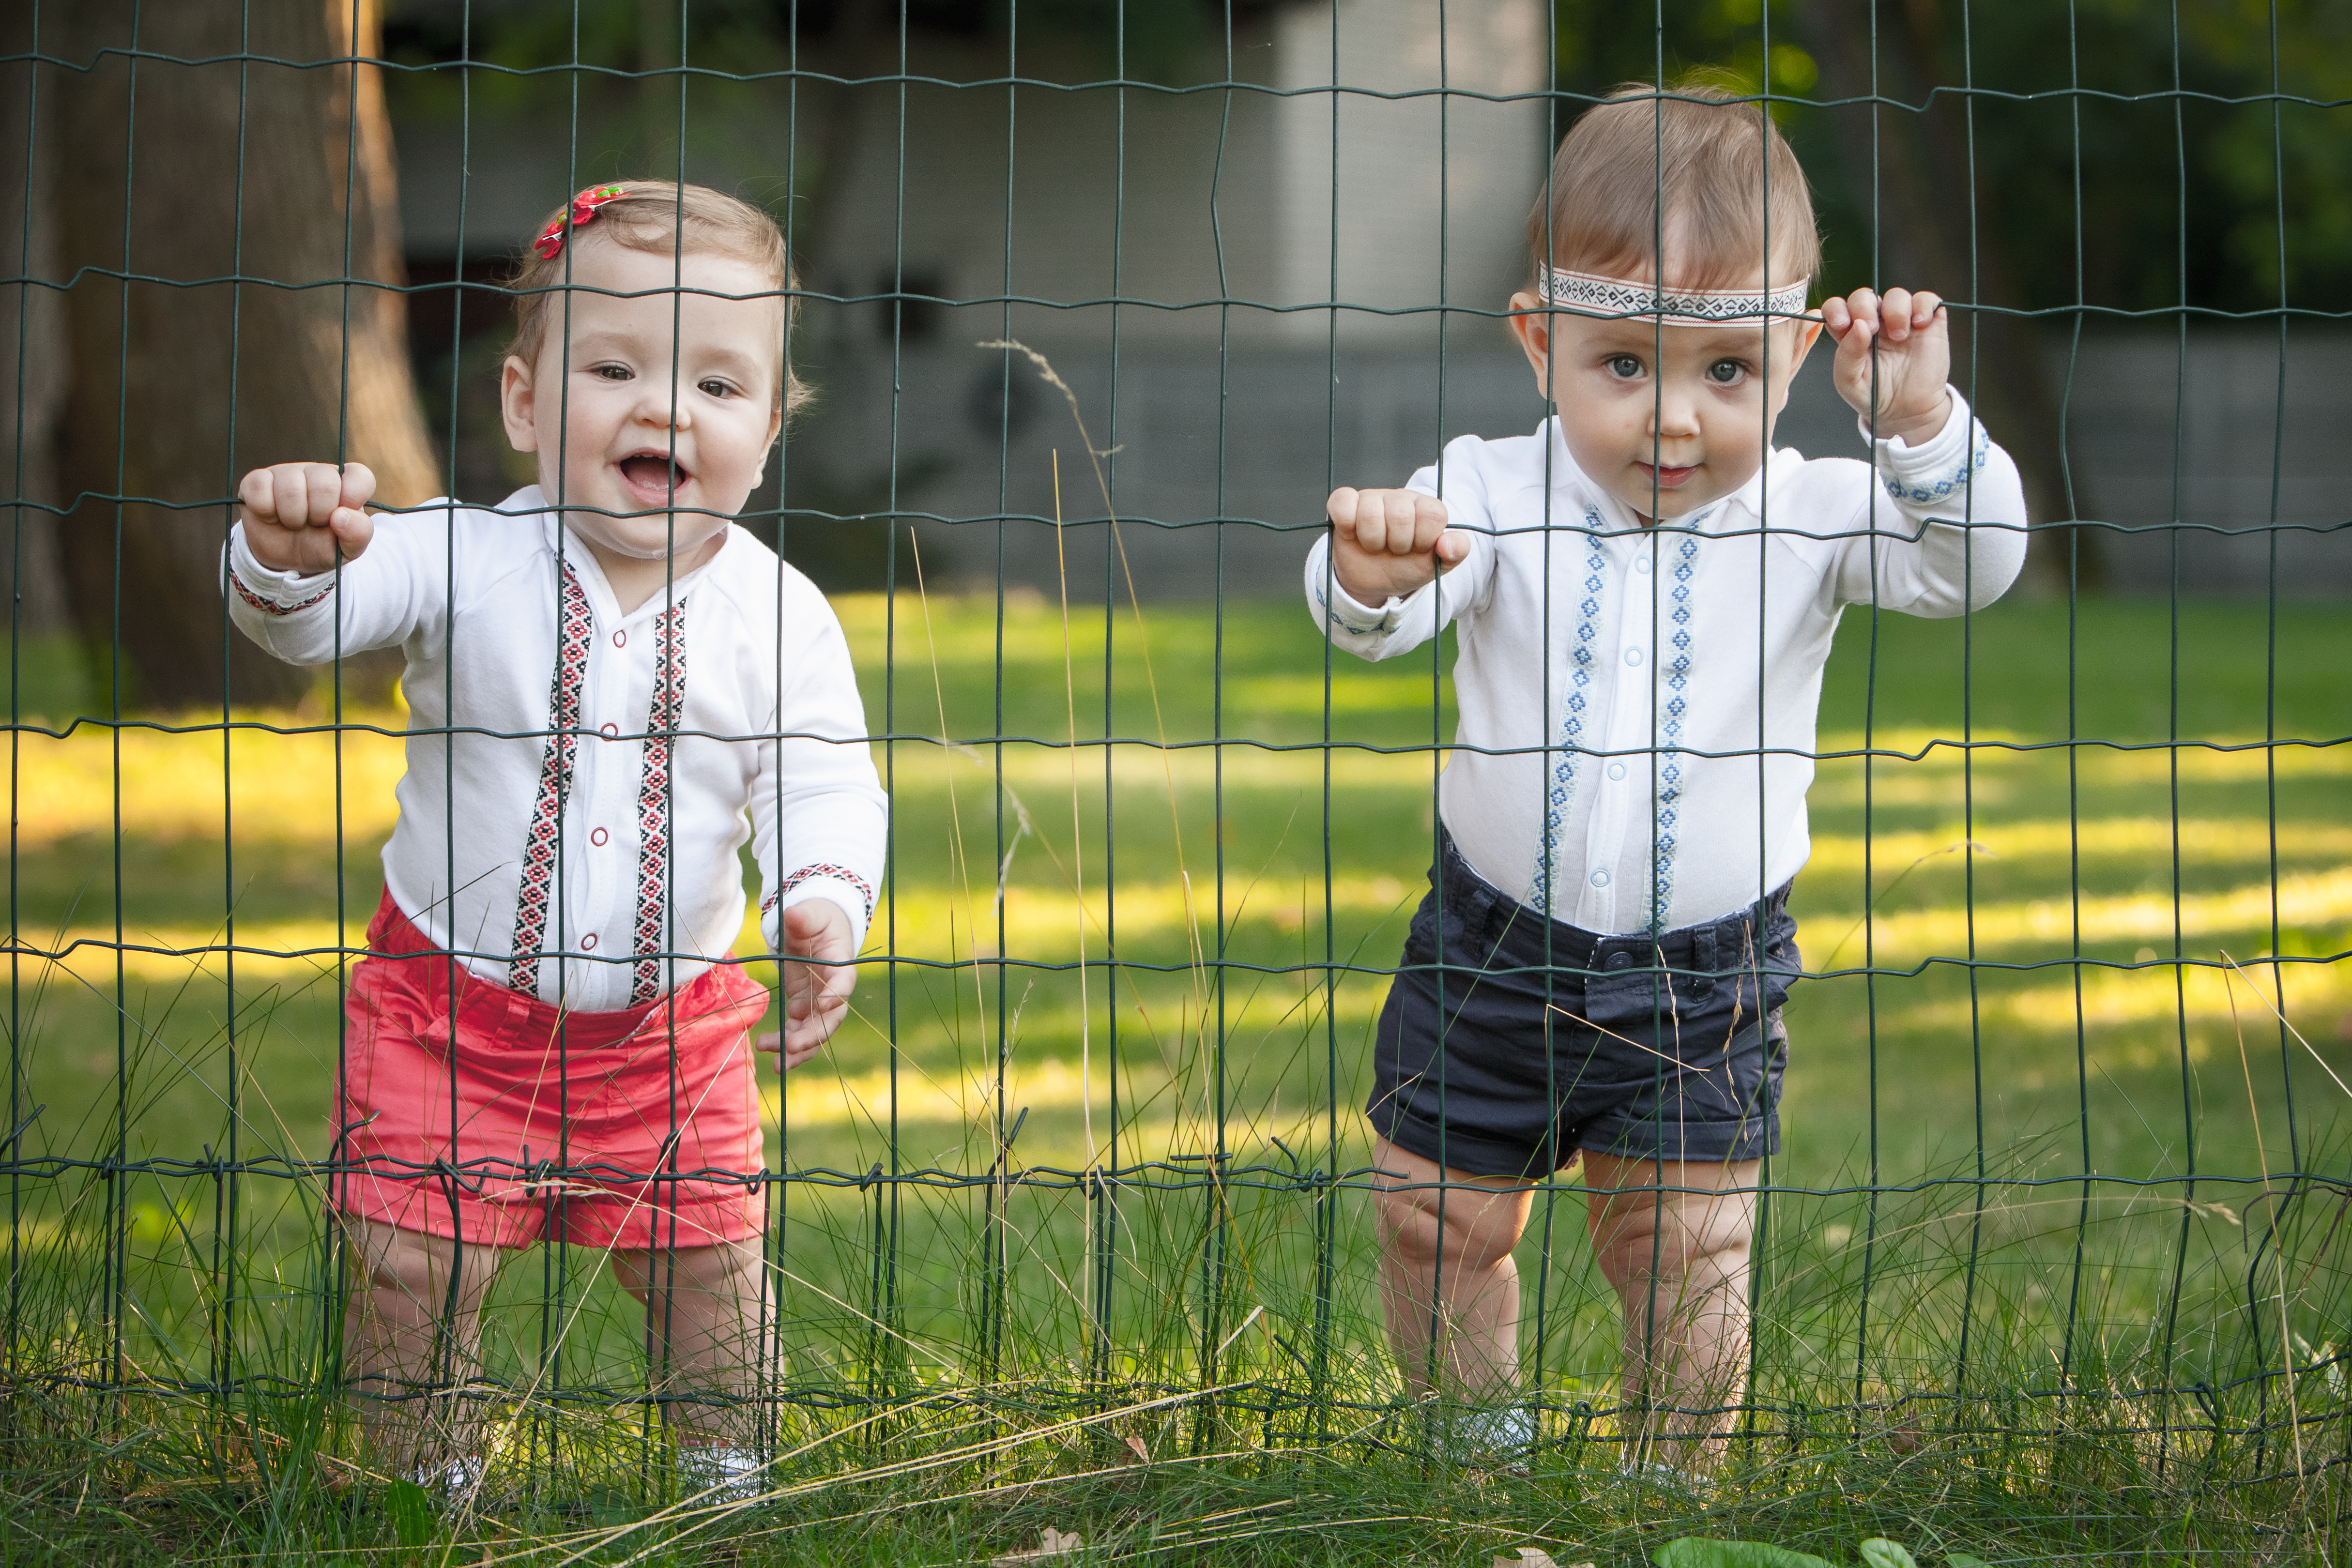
1668 1249
727 1272
1467 1228
410 1269
1653 1232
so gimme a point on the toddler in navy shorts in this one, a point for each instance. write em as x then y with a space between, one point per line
1643 592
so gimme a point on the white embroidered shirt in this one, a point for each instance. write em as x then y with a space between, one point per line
1638 705
579 781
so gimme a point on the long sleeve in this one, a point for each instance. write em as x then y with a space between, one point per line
398 588
1403 624
818 812
1944 531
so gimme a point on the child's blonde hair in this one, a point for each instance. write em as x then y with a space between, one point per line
1705 155
649 216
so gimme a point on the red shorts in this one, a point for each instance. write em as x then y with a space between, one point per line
499 1132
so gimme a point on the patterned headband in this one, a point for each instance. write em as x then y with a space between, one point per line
1589 294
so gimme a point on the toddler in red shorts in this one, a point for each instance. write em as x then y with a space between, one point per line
612 688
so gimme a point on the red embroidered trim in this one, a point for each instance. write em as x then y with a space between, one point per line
270 606
576 624
653 869
810 874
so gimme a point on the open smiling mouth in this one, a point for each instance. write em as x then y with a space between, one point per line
654 472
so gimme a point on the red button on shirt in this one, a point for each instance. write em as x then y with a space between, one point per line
612 730
620 639
598 838
588 943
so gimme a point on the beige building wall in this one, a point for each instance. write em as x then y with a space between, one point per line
1401 202
1178 200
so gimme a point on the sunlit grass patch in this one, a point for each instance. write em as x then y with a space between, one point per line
1019 1185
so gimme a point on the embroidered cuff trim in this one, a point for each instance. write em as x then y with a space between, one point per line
271 606
1927 492
813 872
1379 628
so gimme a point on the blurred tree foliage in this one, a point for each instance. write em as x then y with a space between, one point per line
1165 42
2093 180
2105 187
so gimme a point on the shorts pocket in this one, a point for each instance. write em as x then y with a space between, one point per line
1421 938
1628 1001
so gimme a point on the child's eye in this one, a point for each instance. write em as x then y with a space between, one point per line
716 388
1624 366
1726 372
613 372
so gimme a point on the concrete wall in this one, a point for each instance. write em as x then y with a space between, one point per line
1189 201
1189 198
2162 433
1264 443
1396 194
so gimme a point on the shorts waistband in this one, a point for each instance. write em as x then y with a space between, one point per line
485 1004
1712 947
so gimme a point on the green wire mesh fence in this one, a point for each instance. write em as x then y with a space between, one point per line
1098 302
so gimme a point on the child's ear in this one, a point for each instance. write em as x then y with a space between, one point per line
1784 374
1532 328
775 428
518 404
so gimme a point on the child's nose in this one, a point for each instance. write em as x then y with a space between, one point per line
663 404
1673 415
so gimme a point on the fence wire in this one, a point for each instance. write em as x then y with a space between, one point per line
2065 1106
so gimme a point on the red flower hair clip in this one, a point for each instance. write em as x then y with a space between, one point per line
549 244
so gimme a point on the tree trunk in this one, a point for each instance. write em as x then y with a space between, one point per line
275 174
32 344
1921 185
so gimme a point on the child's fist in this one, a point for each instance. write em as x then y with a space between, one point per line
1390 543
817 978
297 513
1913 359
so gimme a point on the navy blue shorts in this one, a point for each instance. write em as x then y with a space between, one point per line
1665 1048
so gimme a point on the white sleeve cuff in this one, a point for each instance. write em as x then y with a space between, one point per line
838 885
1936 471
1338 608
270 591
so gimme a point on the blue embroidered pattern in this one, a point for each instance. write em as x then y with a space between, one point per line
1571 722
1670 772
1925 492
1334 618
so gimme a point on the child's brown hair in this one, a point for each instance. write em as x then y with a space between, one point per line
649 216
1716 165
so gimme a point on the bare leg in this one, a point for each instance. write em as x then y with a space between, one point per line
1451 1269
1678 1262
705 1303
412 1327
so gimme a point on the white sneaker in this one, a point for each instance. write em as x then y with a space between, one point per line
450 1480
1502 1436
720 1474
1671 1479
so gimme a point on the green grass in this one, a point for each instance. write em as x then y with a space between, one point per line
1941 1118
